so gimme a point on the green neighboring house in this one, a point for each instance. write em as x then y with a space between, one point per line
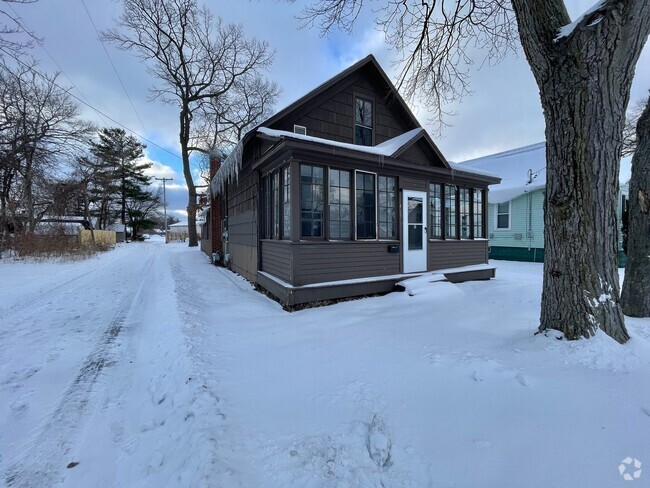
516 205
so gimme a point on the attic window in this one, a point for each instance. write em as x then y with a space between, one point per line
300 129
363 122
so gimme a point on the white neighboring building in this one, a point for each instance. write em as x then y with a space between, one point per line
516 205
180 231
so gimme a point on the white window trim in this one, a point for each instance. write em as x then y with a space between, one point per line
496 216
355 205
300 129
470 202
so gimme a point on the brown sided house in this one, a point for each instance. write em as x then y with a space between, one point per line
343 193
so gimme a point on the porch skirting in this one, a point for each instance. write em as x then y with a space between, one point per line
294 295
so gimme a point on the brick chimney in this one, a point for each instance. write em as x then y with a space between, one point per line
215 206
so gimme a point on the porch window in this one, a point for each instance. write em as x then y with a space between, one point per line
339 204
478 214
311 201
362 122
503 215
275 196
464 206
435 211
451 231
366 206
267 207
286 202
387 207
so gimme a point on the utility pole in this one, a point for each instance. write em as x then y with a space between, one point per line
165 180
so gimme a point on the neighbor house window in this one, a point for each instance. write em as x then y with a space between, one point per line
478 214
435 211
362 122
366 206
451 231
311 201
339 204
464 207
286 202
503 215
275 196
387 207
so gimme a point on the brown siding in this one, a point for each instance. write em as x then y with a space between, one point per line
452 254
415 154
276 259
242 226
332 261
417 184
332 115
244 261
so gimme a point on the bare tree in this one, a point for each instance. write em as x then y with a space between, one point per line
630 129
11 42
584 72
41 129
221 122
636 286
194 56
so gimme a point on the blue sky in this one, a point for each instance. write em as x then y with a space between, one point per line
503 112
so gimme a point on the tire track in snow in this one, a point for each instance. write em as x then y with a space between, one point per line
40 463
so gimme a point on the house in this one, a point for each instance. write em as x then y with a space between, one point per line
516 205
180 230
343 193
120 231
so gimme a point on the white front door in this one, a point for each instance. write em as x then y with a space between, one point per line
414 231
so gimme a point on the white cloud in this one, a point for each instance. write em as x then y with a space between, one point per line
160 170
503 113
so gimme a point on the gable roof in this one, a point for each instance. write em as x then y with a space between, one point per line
369 62
231 165
521 170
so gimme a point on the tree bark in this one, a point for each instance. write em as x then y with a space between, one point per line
584 80
185 121
636 286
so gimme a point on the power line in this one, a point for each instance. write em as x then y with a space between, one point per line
87 104
21 23
112 64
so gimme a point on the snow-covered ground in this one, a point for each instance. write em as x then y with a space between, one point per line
149 367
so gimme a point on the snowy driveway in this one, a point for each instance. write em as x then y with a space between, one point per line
148 367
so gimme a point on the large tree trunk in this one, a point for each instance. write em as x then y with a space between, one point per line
185 121
584 80
636 287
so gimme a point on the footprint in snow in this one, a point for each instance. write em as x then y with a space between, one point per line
476 376
53 356
157 460
131 444
117 431
434 358
378 442
20 405
523 381
646 411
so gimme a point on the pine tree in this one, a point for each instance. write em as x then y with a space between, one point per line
119 159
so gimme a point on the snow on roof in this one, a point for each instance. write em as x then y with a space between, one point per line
521 170
229 170
184 223
387 148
